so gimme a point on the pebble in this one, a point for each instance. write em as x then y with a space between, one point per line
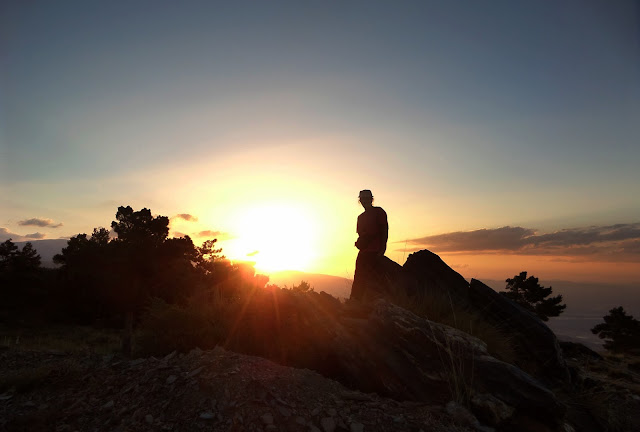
207 415
356 427
328 424
195 372
148 418
284 411
332 412
267 418
301 420
108 405
171 379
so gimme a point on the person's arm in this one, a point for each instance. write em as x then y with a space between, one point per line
384 228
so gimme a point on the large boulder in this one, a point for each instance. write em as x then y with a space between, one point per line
398 354
537 348
425 273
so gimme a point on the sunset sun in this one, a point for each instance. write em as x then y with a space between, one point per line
275 237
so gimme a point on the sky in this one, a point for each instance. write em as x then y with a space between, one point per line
501 135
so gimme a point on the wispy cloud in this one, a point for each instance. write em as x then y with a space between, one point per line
5 234
254 253
610 241
35 236
214 234
40 222
186 216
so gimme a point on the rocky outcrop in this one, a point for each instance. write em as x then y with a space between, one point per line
424 272
537 347
398 354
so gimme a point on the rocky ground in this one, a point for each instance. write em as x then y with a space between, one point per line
202 390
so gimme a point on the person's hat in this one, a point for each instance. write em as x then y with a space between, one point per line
365 194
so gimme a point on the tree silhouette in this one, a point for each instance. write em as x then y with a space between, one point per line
21 280
620 331
528 293
115 278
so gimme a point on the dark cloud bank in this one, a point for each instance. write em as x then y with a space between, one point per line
620 241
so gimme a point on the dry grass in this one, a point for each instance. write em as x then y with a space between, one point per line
70 339
29 378
442 310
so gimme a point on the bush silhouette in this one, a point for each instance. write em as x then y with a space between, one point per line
528 293
620 331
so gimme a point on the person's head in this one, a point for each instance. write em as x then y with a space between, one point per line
366 198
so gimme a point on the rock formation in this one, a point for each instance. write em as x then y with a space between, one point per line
537 346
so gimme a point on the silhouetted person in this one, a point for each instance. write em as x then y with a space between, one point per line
373 231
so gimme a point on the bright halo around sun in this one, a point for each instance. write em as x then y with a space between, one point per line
276 237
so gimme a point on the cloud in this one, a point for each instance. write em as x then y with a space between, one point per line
186 216
40 222
35 236
479 240
610 242
5 234
254 253
213 234
177 234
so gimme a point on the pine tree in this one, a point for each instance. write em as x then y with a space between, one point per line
528 293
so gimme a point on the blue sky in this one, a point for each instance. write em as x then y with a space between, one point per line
459 115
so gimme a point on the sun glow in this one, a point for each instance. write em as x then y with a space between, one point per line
275 237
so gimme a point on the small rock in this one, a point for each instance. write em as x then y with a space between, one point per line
109 405
271 427
148 418
284 411
171 379
29 404
461 415
332 412
301 420
313 428
315 411
207 415
136 362
356 427
328 424
195 352
195 371
169 356
490 409
267 418
137 414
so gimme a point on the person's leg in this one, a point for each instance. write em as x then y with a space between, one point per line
364 275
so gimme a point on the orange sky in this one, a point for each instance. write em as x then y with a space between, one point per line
507 141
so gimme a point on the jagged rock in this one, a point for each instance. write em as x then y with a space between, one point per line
396 353
425 272
574 349
461 415
490 409
356 427
328 424
536 345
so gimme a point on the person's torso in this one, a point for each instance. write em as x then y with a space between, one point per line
371 227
